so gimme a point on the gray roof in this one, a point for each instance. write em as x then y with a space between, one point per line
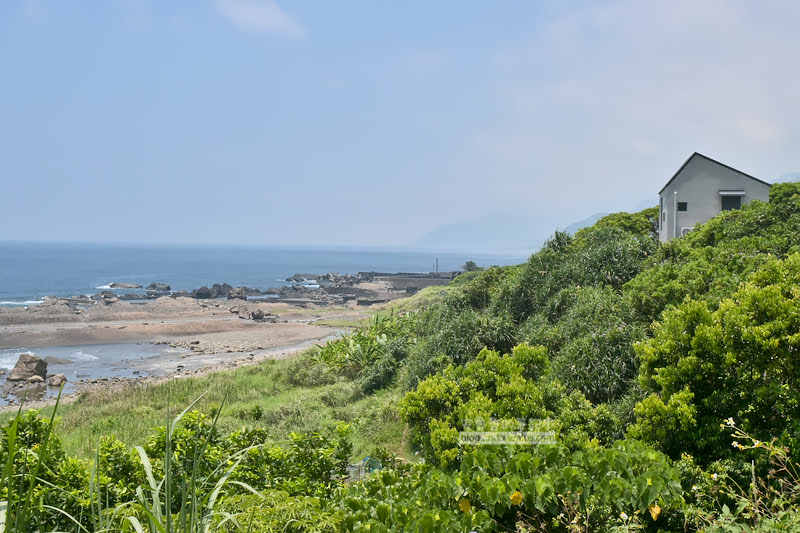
713 161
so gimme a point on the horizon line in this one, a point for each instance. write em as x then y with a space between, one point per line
515 252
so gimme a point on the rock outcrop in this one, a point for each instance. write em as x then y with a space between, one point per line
158 287
105 297
203 293
52 360
27 368
238 293
134 296
221 291
302 278
125 286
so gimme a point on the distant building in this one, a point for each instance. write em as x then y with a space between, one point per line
700 190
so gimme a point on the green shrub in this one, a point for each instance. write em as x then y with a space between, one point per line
36 474
452 333
386 340
549 488
780 193
737 361
597 256
643 224
481 290
276 511
592 343
498 390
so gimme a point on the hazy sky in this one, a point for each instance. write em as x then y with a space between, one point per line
374 122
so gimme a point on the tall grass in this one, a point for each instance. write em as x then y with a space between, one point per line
281 396
284 396
198 497
17 484
151 509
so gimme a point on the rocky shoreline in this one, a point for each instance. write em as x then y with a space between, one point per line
326 289
211 328
35 393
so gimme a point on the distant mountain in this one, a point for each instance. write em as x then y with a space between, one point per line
792 176
499 233
495 233
585 223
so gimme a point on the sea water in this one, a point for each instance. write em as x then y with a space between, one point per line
86 363
124 360
31 271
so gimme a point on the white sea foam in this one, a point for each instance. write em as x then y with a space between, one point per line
16 304
104 287
8 358
80 355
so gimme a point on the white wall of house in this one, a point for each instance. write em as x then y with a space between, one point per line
702 184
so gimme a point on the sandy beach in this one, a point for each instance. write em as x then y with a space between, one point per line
57 324
203 335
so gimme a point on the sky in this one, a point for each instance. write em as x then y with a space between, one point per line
368 123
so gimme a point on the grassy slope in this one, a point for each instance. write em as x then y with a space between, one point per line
252 395
258 394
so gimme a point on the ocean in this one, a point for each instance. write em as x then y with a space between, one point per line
31 271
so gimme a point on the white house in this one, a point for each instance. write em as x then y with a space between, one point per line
700 190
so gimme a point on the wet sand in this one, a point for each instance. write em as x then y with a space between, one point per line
163 320
207 335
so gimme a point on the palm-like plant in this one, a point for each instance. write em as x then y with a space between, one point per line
198 498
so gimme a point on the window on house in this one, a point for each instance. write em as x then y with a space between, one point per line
731 202
682 206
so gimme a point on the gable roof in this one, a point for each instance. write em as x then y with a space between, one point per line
713 161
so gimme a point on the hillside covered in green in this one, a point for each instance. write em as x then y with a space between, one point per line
658 388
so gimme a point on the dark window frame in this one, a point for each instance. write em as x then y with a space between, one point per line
683 206
731 202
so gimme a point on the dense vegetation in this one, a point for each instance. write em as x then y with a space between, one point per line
657 386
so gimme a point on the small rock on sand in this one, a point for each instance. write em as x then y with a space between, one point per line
56 380
51 360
